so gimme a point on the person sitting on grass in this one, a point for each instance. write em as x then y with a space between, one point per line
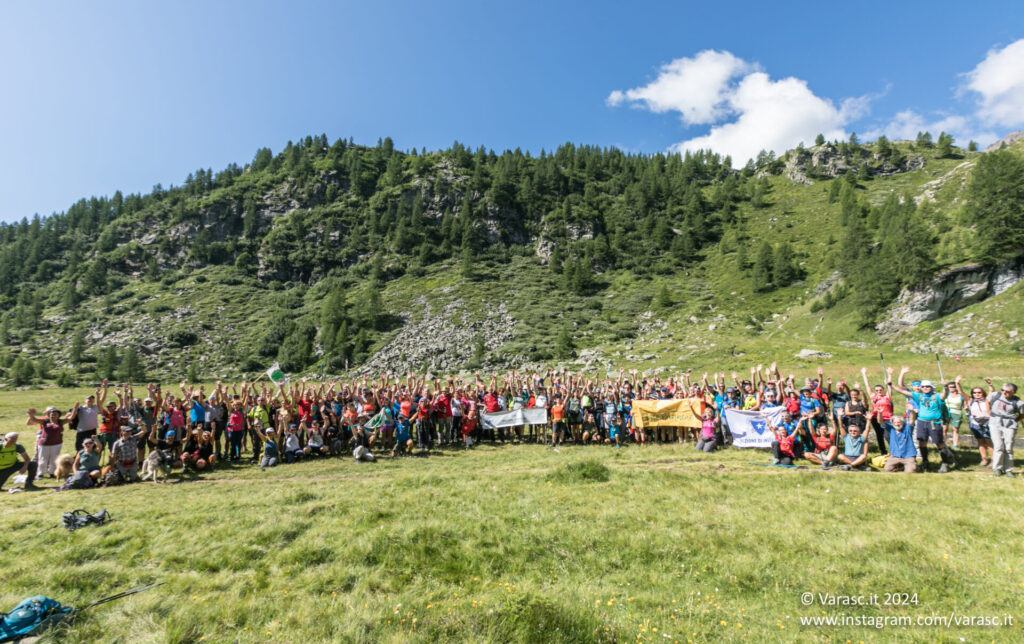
88 459
124 456
825 452
614 421
708 438
315 445
292 444
902 453
269 458
10 450
199 451
855 450
785 447
403 436
169 447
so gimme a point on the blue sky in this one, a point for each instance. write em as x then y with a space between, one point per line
101 96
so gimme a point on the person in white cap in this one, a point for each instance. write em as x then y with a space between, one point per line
929 421
10 450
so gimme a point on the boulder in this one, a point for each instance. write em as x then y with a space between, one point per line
812 354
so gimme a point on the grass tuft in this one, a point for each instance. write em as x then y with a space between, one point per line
585 471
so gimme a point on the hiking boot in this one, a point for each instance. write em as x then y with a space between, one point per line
846 467
826 465
775 461
996 473
944 468
1010 475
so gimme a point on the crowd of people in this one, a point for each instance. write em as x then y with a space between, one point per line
824 423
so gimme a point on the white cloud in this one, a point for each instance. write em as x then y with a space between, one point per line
906 124
748 111
695 87
999 82
772 115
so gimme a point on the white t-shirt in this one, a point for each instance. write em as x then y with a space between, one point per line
88 418
456 407
291 442
540 401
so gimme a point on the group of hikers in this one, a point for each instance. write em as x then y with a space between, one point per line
825 423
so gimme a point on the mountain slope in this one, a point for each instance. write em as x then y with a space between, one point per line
335 257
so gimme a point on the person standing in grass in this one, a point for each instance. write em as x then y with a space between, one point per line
1007 410
955 410
880 409
87 418
902 453
929 421
51 440
978 416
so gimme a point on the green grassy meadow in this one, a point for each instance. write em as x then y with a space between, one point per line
524 544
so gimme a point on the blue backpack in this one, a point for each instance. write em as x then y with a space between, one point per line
31 617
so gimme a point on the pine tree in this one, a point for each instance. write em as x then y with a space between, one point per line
77 346
564 347
945 145
70 299
819 140
784 270
972 146
466 263
192 375
479 353
762 275
131 366
664 298
995 198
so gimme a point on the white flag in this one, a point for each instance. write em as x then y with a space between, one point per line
275 374
514 418
751 428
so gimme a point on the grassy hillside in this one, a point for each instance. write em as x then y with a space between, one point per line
224 275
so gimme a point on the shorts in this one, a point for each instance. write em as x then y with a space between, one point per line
979 429
558 426
930 430
613 433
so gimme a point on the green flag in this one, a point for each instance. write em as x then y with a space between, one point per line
376 421
277 376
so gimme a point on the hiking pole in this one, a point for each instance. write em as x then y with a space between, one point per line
885 374
939 365
130 591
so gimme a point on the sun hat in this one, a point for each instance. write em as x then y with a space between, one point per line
927 383
9 435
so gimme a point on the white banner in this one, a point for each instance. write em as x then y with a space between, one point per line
514 418
751 428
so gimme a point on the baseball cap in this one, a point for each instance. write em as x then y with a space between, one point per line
170 434
11 435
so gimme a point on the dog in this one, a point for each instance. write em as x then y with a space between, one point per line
65 466
155 466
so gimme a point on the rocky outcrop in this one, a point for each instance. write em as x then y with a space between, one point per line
949 291
827 160
812 354
1009 139
443 341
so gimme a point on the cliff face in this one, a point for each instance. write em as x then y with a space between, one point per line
949 291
